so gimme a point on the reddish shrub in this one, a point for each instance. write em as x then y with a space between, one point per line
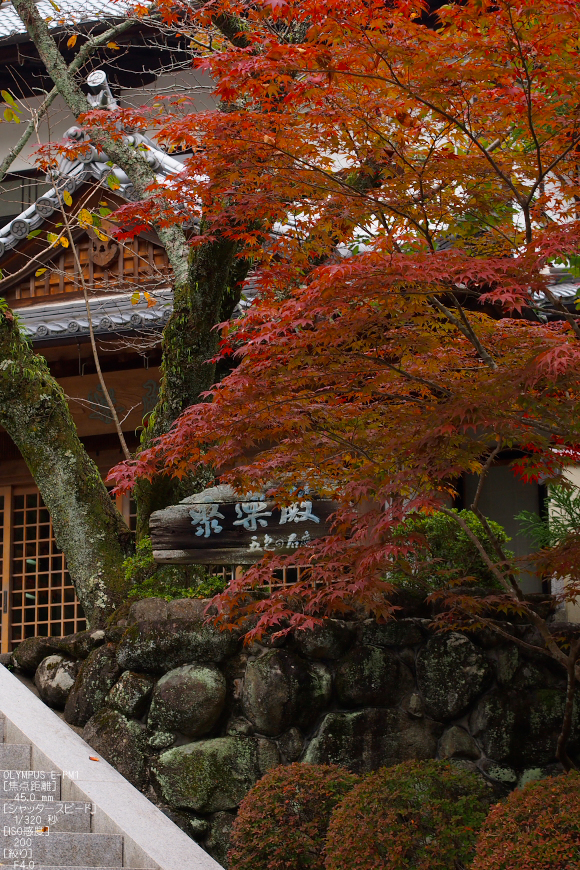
282 821
414 816
535 828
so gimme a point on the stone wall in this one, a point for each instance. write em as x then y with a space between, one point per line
194 719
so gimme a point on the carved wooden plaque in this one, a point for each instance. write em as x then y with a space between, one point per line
236 532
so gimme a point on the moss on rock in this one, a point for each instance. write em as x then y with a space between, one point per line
212 775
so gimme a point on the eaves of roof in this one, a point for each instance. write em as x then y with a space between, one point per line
109 314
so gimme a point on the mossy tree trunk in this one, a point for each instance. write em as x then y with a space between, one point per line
87 526
190 342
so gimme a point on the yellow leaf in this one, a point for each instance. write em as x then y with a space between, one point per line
85 217
135 297
112 45
100 235
64 241
51 237
8 98
67 197
71 42
150 300
39 272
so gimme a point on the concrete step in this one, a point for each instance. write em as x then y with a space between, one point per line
64 816
70 850
33 785
67 867
2 720
15 756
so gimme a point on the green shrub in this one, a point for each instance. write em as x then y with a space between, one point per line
151 580
414 816
282 821
535 828
445 554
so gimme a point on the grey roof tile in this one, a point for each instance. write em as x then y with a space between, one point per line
71 11
110 314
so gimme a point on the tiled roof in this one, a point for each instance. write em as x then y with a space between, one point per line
70 11
110 314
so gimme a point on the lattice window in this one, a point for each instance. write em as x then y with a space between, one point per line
43 601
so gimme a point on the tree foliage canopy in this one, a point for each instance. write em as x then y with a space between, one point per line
402 192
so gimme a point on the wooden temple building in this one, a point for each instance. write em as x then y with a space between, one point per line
43 285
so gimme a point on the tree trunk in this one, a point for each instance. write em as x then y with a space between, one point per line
88 527
190 341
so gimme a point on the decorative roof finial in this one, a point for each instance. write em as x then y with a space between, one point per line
100 95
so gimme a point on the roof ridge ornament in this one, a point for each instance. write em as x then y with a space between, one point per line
100 95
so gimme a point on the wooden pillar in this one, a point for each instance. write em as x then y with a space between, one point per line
6 533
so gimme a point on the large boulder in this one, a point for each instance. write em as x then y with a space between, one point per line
327 641
189 699
54 678
97 676
371 676
28 655
160 646
451 673
120 741
212 775
130 694
281 690
365 740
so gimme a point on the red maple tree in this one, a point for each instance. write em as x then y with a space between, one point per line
403 192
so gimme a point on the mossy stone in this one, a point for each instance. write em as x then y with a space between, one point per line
371 676
30 652
217 842
458 743
189 699
327 641
120 741
212 775
365 740
97 676
451 673
81 644
130 694
397 632
160 646
282 690
521 728
54 679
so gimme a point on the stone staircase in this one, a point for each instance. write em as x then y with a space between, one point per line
40 831
64 808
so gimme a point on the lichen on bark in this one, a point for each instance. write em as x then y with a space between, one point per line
87 526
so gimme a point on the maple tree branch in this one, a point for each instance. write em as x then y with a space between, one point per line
483 474
435 388
528 94
466 330
557 303
511 587
442 113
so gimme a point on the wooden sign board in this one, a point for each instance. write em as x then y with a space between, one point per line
236 532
